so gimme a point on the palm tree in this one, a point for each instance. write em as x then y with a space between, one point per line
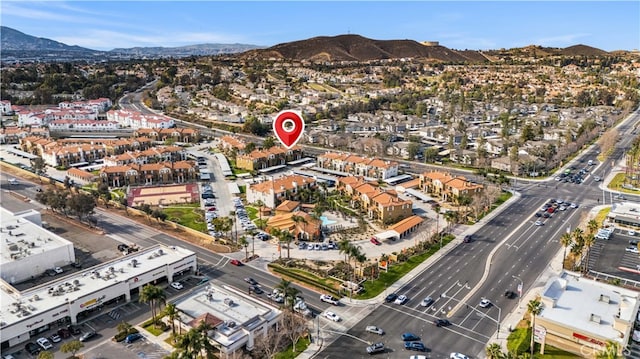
566 239
450 216
289 292
171 311
534 307
153 295
589 241
494 351
345 247
260 204
299 219
286 237
592 226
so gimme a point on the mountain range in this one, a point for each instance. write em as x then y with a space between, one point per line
20 46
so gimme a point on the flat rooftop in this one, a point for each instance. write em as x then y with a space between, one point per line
577 299
18 305
235 309
21 237
626 211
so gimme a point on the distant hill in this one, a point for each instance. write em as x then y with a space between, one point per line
359 48
540 51
11 39
17 45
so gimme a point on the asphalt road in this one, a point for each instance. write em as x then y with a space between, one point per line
522 251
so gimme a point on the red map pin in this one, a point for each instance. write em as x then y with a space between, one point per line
288 127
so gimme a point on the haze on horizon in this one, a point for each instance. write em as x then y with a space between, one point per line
478 25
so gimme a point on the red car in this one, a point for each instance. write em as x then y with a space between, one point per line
211 209
375 241
236 262
551 210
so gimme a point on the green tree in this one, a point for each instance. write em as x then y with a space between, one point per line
244 243
72 347
124 327
566 240
39 166
153 295
534 308
589 241
610 351
81 204
104 193
46 355
249 147
413 149
289 292
494 351
268 142
172 313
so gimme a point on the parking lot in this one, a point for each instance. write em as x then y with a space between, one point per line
609 256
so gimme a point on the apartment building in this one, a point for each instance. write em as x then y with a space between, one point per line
97 105
137 120
265 158
358 166
274 192
149 174
66 156
153 154
298 223
377 203
13 135
185 135
229 143
83 125
448 187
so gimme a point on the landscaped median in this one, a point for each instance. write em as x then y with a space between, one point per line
326 285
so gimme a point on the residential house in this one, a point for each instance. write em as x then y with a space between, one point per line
298 223
274 156
66 156
184 135
5 107
230 143
274 192
83 125
137 120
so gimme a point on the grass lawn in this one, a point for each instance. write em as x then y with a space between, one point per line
600 217
187 215
397 271
252 212
288 353
555 353
153 330
616 182
117 193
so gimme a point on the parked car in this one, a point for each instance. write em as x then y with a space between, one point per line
417 346
176 285
375 241
539 223
458 356
32 348
64 333
485 303
375 348
55 338
132 338
409 337
44 343
427 302
632 249
332 316
74 330
88 335
375 330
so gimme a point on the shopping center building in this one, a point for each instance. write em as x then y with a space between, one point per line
70 298
581 315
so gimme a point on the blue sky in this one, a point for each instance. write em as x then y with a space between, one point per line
104 25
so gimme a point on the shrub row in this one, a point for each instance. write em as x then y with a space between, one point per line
122 335
304 279
519 341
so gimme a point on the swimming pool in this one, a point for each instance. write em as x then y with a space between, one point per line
326 221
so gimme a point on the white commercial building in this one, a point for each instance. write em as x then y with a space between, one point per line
581 315
237 318
26 313
27 249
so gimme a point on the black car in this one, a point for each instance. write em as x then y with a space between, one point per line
538 214
74 330
76 265
468 239
510 294
633 242
123 247
256 289
251 281
441 323
418 346
391 297
33 348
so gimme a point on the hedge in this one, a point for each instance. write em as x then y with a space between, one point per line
123 335
519 341
304 279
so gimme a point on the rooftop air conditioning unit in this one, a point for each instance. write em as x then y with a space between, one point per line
160 252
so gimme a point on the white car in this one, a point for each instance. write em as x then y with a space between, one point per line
562 208
458 356
58 270
485 303
401 299
44 343
573 205
632 232
374 329
539 223
332 316
636 336
632 249
176 285
329 299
